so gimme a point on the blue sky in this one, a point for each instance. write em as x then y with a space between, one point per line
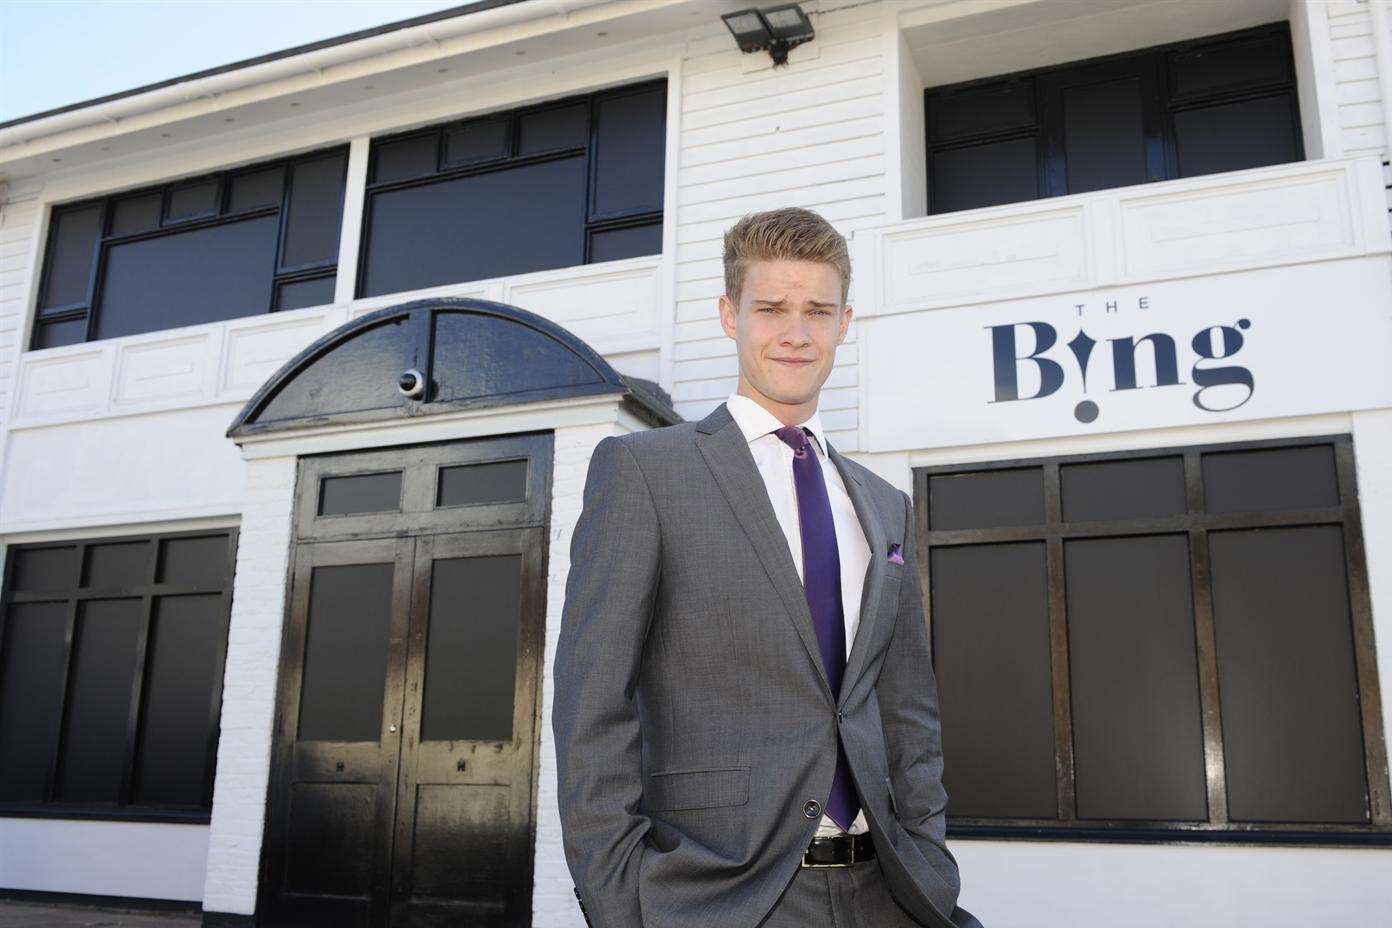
57 52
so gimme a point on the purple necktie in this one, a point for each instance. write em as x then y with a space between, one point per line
821 578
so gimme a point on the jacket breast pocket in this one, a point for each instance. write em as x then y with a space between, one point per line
701 788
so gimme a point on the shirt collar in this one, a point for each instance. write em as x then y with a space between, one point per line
755 421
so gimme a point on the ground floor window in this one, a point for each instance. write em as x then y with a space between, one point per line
1160 642
111 660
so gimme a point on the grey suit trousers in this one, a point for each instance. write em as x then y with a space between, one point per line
838 897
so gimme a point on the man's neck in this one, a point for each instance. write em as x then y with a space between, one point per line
794 414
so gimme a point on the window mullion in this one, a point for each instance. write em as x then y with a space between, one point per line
1206 645
69 637
142 646
1058 648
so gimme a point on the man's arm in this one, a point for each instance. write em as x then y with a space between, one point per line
615 560
908 694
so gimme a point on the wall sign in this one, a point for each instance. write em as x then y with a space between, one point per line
1276 342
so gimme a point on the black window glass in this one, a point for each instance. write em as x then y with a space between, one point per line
43 569
1137 732
477 484
222 249
1280 478
1104 136
31 691
449 231
552 128
189 201
1293 742
1220 103
193 562
985 175
70 253
1231 136
346 653
1135 489
627 242
315 211
256 189
477 140
181 670
341 496
207 274
56 334
121 564
90 765
297 294
986 499
631 135
471 655
999 739
399 160
136 214
111 676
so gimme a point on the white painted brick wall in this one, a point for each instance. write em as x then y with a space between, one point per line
249 687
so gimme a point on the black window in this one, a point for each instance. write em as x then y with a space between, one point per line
570 182
237 243
1222 103
111 659
1156 644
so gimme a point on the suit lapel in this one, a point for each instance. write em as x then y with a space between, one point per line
873 585
726 453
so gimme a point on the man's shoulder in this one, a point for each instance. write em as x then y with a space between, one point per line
649 442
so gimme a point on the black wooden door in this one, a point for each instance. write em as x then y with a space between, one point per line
463 819
402 789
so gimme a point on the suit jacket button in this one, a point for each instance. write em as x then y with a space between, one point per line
811 808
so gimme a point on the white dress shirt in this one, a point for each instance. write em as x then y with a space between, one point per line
775 462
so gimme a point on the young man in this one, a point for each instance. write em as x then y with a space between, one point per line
746 716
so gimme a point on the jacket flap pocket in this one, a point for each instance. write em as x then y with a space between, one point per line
697 789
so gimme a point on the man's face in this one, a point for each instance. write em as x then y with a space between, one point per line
788 324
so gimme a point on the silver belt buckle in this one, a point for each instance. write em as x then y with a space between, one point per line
850 843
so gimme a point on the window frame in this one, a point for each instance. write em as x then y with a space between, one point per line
222 214
1160 104
149 592
1196 524
594 222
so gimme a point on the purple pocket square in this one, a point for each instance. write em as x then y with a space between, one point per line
894 556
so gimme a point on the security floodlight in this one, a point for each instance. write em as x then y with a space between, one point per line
778 29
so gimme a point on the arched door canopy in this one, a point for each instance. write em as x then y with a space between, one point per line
438 355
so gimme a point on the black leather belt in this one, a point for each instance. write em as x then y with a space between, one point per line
839 850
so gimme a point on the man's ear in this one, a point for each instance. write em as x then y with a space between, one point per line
846 313
727 315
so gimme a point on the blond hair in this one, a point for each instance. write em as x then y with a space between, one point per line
791 233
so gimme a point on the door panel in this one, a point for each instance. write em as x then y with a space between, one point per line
338 736
464 819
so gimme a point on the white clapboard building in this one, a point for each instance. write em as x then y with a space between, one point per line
303 358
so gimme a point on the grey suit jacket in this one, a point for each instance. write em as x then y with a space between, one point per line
692 715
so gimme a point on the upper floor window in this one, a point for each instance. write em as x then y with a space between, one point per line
1222 103
1187 639
564 183
235 243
